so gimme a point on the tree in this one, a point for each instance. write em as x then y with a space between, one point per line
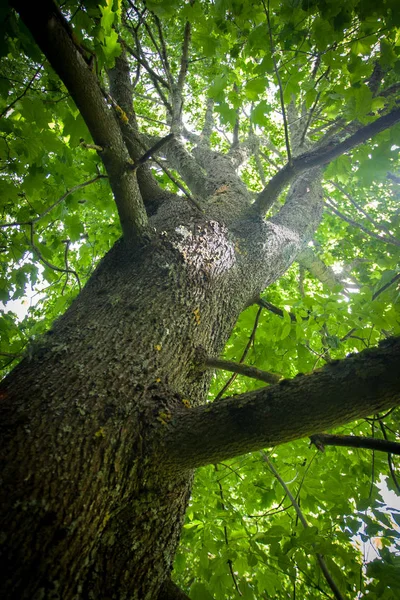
235 146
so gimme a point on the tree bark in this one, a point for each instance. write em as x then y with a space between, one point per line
97 419
87 510
340 392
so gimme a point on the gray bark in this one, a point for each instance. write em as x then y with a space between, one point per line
93 492
86 506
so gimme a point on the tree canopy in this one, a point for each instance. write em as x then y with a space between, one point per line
283 87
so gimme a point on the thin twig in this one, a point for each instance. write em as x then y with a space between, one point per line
164 53
285 123
178 184
241 369
390 460
230 564
385 287
361 210
242 358
149 153
56 203
382 238
309 119
320 440
46 262
299 513
5 111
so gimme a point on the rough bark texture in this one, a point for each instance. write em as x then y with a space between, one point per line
340 392
88 511
93 491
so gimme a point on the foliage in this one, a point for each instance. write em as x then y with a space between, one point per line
341 62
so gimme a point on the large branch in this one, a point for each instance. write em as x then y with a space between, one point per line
170 591
122 92
310 261
339 393
320 156
182 161
54 37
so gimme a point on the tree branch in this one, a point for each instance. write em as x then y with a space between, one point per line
320 558
386 286
77 187
308 259
122 92
180 159
155 78
22 94
382 238
243 357
278 77
164 53
360 209
46 262
53 35
320 440
184 58
389 456
339 393
208 121
240 368
170 591
320 156
275 309
149 153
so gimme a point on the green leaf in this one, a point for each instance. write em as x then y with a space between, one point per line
255 87
260 112
199 591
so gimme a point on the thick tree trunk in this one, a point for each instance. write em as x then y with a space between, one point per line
87 513
92 502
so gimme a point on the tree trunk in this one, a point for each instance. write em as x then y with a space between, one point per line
91 509
88 513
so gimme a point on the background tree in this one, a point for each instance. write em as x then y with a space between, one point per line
237 148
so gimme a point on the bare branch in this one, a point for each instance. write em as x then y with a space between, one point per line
54 37
320 440
22 94
361 210
180 159
184 58
382 238
239 368
155 78
321 156
390 460
386 286
149 153
275 309
278 77
243 357
356 387
178 185
56 203
320 558
208 120
309 118
308 259
49 264
164 53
